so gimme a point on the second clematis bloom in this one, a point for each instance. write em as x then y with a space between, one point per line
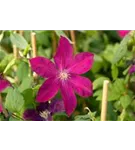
44 111
64 75
123 33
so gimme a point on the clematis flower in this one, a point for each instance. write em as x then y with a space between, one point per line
3 85
132 69
44 111
123 33
64 75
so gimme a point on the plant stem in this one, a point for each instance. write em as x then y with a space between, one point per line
72 34
54 43
14 115
104 100
122 115
4 110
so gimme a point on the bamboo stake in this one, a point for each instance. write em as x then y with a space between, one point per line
54 43
33 42
15 49
72 34
104 100
21 32
16 56
3 109
34 49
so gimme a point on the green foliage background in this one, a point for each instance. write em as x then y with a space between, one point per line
111 57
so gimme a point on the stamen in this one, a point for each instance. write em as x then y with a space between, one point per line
44 114
64 75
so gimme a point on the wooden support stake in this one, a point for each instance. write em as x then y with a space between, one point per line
104 100
21 32
15 49
33 42
34 50
54 43
72 34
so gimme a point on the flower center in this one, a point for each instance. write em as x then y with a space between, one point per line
44 114
64 75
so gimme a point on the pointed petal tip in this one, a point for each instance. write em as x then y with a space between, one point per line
69 113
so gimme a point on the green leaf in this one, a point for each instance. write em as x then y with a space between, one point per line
2 53
83 117
98 63
109 52
119 86
114 72
1 117
29 98
18 40
115 91
121 51
5 61
23 70
26 84
111 115
14 119
11 63
98 83
117 105
1 36
125 101
61 33
60 116
14 100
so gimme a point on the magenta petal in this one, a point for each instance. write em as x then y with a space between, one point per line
48 90
123 33
132 69
64 53
81 85
82 63
69 98
3 84
1 108
43 67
